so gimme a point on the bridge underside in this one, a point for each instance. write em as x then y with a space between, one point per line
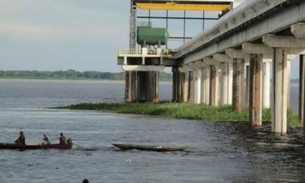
260 34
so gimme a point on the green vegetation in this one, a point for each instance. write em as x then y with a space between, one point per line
72 74
181 111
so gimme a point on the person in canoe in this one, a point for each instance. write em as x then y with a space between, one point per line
85 181
46 139
21 138
62 139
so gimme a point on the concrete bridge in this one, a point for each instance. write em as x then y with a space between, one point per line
254 37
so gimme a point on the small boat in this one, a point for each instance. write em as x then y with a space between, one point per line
158 148
34 146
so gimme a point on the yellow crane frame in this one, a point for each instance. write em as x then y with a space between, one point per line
185 5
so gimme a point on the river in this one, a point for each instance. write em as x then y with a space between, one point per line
217 151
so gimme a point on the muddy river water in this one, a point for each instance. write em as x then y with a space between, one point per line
217 151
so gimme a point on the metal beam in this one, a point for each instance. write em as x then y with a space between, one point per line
186 7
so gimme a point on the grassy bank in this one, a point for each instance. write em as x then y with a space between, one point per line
181 111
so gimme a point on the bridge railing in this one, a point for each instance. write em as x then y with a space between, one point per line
166 52
129 52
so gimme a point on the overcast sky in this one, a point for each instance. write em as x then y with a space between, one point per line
63 34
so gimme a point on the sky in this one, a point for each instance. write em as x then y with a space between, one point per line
50 35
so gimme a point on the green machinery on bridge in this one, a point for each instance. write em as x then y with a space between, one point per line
152 36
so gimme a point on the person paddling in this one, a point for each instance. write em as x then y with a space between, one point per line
62 139
21 138
46 139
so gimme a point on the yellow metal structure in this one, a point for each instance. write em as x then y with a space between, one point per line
182 6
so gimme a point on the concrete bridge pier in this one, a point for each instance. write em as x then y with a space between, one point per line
255 90
206 85
190 83
224 84
213 79
192 86
130 86
298 30
230 83
302 89
279 91
266 82
225 79
256 53
290 58
214 85
176 90
197 82
148 86
238 57
238 84
183 87
302 93
247 88
281 46
181 84
142 83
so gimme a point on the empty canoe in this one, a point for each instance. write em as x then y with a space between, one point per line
159 148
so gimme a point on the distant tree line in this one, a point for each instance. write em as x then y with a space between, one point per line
72 74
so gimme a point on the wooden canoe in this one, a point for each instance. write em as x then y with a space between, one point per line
34 146
158 148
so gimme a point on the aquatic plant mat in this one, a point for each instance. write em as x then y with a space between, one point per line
181 111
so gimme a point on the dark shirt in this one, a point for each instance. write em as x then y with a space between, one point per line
20 140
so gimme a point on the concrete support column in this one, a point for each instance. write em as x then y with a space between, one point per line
302 89
202 85
198 80
130 86
176 84
302 93
230 83
154 87
190 87
224 84
238 84
247 92
214 85
184 86
288 81
255 103
266 83
206 86
148 86
279 91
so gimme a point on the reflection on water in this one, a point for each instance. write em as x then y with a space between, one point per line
218 151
